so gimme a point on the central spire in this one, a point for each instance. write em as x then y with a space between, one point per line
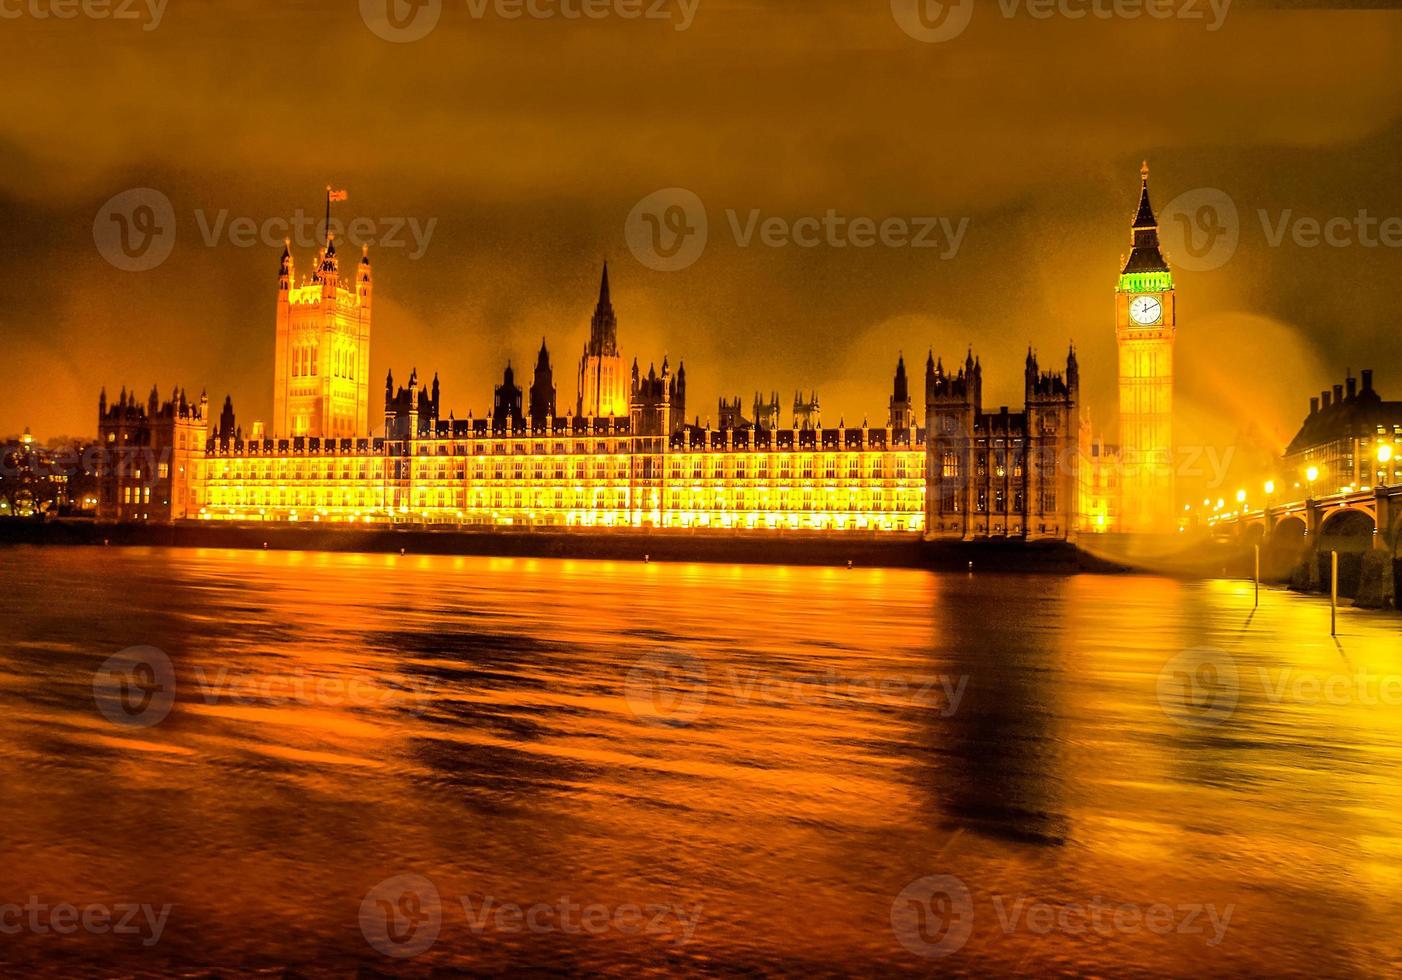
603 328
1145 255
1145 217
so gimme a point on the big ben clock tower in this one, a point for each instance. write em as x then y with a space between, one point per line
1145 325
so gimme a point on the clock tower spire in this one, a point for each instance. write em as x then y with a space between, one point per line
1145 330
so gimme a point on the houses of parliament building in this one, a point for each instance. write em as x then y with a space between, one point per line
622 453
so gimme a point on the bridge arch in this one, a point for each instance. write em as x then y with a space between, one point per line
1396 553
1284 547
1350 532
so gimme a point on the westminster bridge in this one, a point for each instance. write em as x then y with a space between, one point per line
1296 539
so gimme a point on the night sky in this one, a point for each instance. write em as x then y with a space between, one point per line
528 141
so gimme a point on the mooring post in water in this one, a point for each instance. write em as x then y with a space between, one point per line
1258 576
1333 593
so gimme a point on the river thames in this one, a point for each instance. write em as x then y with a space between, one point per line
331 764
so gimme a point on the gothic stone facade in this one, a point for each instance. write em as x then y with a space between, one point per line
966 474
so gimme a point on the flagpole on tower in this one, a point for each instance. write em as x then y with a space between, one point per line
332 195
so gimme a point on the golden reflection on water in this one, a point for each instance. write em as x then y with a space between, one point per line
786 748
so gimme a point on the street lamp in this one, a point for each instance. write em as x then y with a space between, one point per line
1311 475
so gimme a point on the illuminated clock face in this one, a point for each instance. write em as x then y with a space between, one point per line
1145 310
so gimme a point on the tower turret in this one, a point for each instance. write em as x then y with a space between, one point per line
329 268
285 271
226 420
506 400
321 371
901 409
543 387
603 388
364 281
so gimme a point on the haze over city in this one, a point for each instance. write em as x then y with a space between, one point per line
557 128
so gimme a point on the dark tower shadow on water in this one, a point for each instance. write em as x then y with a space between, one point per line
998 769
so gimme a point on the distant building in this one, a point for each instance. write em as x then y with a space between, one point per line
1350 440
45 480
626 458
153 454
